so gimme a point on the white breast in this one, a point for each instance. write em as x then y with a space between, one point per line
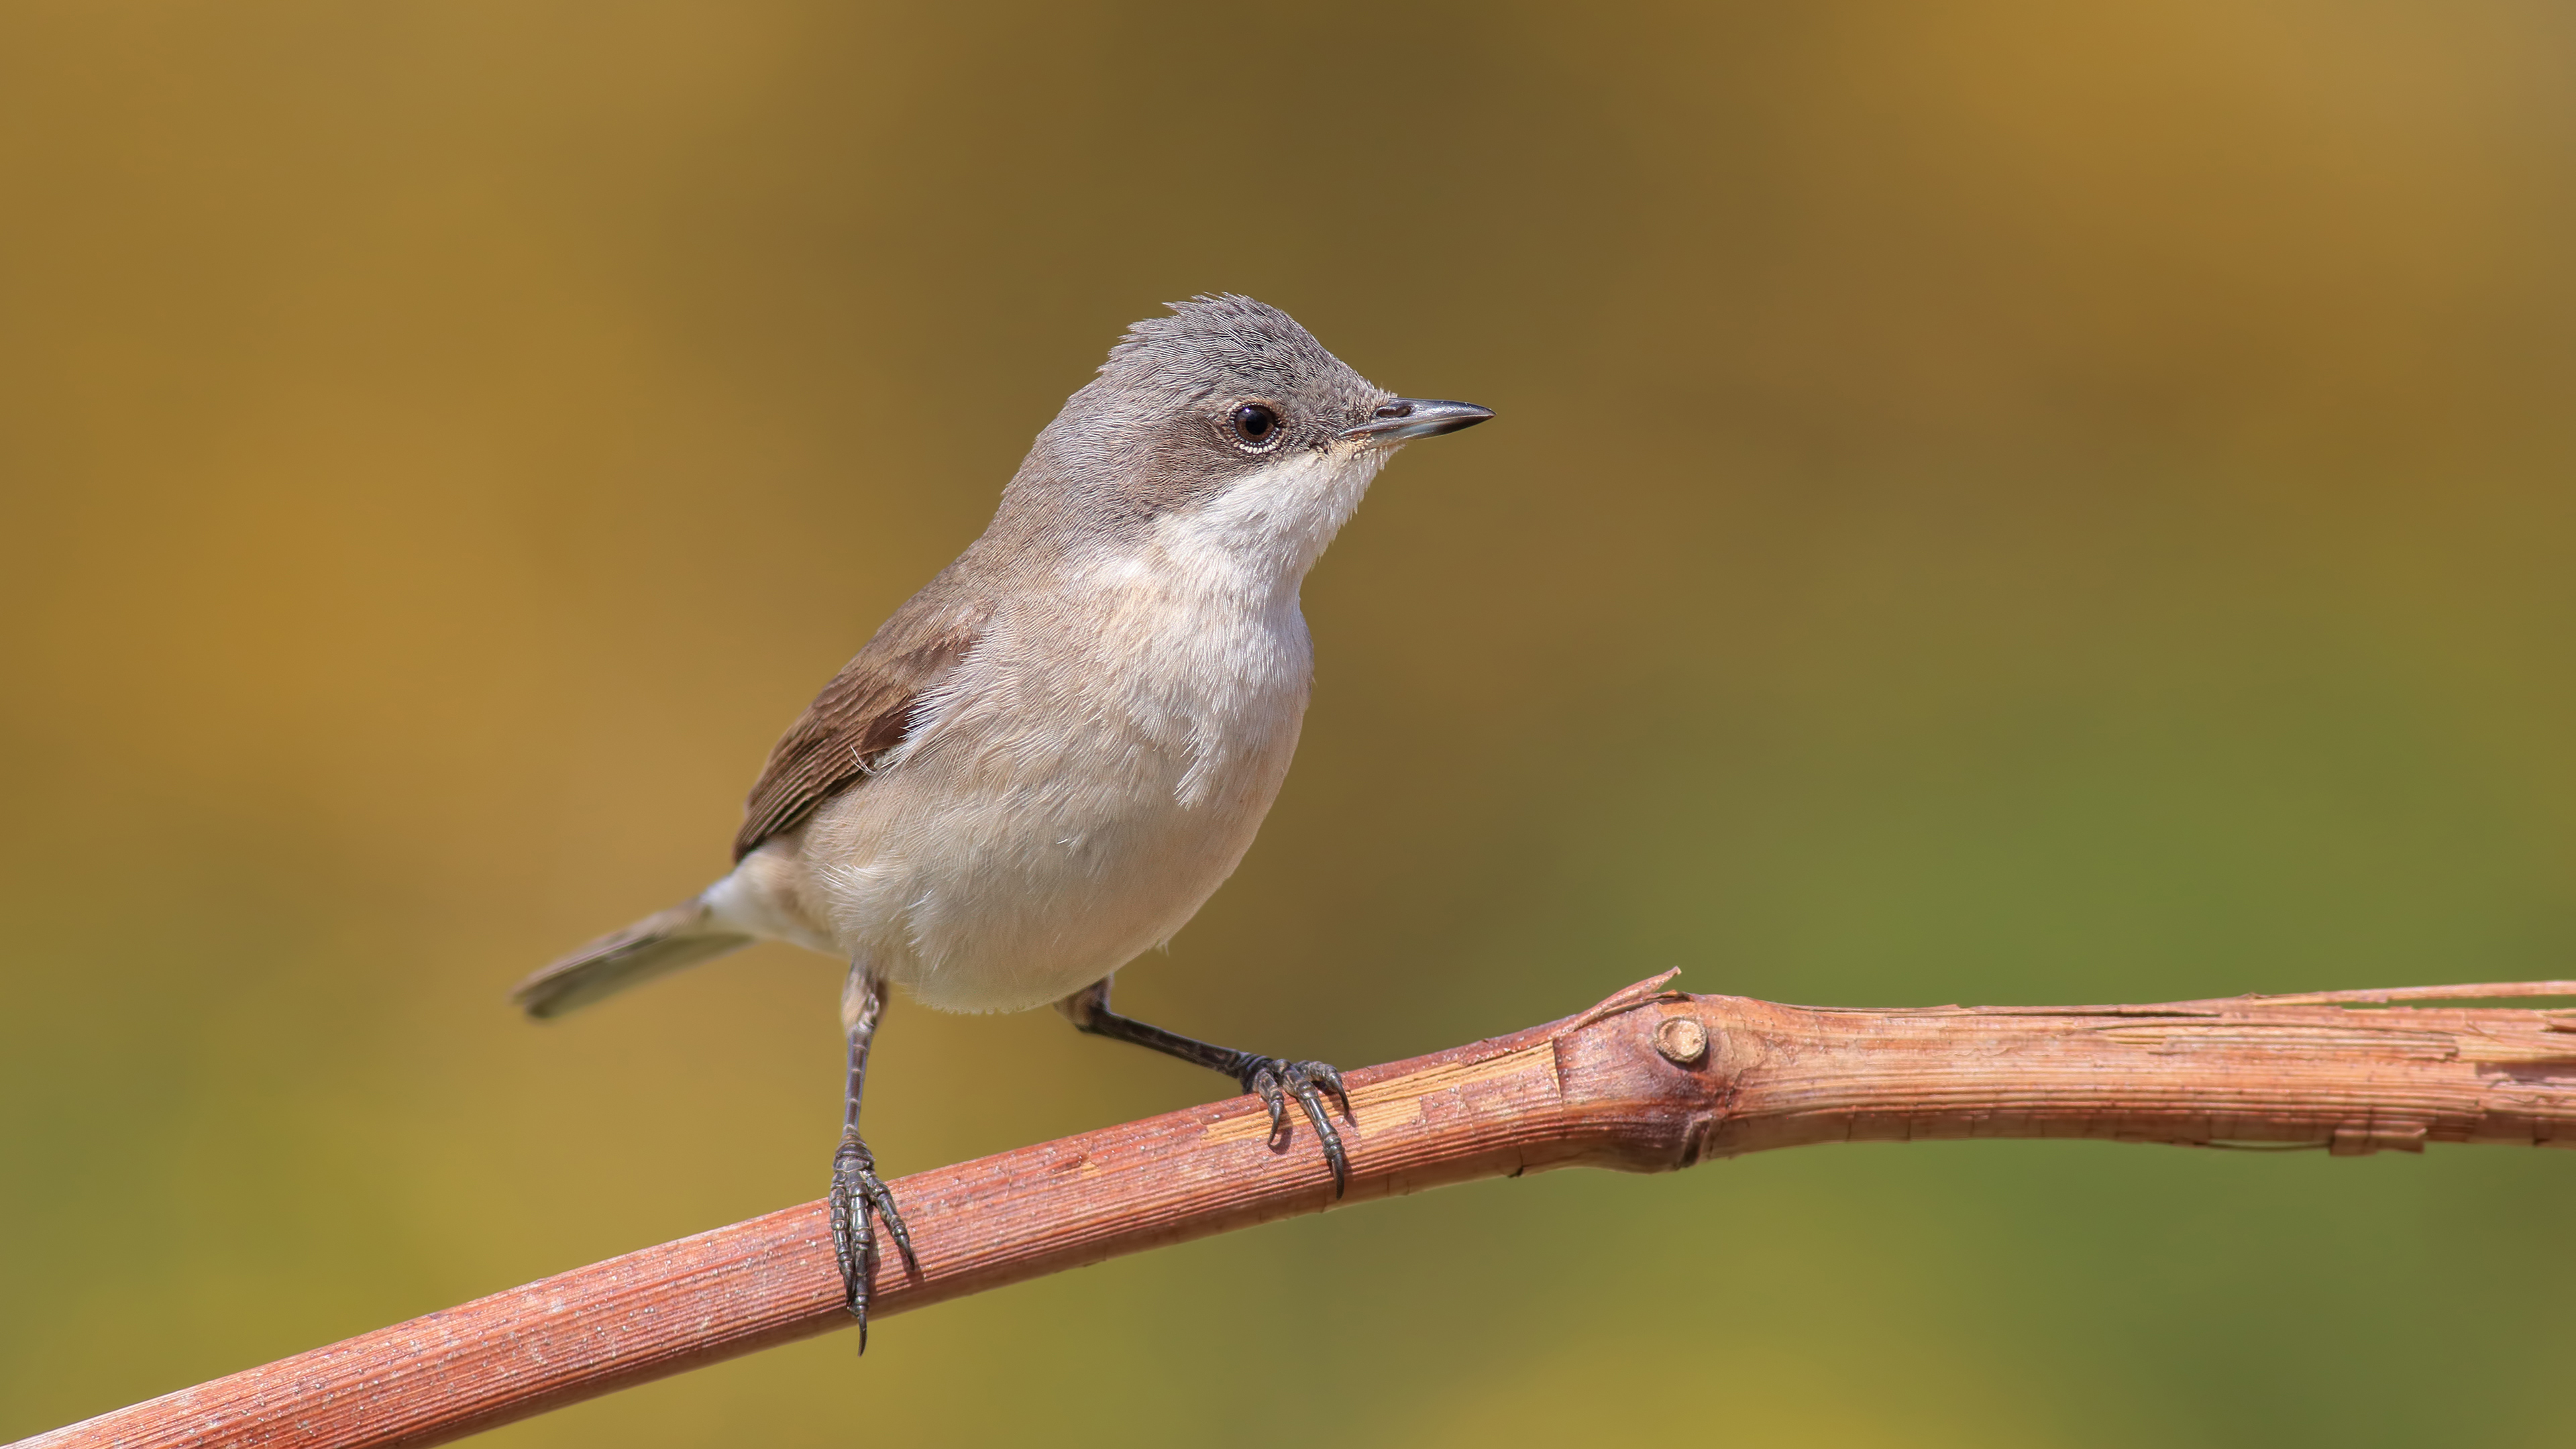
1096 769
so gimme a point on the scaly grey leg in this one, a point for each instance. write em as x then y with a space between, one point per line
857 1191
1272 1079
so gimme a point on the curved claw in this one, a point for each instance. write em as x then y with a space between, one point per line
858 1194
1263 1082
1275 1080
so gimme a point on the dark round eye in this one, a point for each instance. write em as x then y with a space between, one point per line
1255 424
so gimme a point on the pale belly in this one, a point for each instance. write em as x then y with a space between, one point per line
1094 770
994 872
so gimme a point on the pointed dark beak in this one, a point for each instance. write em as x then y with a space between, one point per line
1402 419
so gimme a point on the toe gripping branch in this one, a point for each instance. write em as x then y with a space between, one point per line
1274 1080
858 1193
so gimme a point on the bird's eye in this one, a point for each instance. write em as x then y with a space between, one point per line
1255 424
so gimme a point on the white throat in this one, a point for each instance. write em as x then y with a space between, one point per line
1267 528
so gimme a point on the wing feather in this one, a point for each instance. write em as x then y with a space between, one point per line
867 710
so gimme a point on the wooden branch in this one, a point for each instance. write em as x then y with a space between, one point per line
1647 1081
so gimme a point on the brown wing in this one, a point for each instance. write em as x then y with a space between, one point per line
864 712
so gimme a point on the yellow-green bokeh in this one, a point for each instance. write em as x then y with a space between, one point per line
1991 502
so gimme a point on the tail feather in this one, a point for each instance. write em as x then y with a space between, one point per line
657 945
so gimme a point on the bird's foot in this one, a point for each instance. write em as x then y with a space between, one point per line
857 1193
1274 1080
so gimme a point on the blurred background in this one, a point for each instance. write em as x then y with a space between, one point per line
1992 502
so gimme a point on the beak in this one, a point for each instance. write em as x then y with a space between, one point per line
1402 419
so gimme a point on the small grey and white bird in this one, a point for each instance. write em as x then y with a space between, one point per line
1050 757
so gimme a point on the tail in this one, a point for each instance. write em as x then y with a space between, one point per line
657 945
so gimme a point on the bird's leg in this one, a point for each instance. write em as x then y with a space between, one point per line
1273 1079
857 1191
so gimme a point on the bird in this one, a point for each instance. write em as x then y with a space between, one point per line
1045 762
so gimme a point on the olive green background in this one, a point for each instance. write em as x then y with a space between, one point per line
1989 503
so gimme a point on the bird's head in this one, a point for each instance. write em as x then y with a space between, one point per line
1229 418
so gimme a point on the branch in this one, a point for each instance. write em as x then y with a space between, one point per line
1647 1081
